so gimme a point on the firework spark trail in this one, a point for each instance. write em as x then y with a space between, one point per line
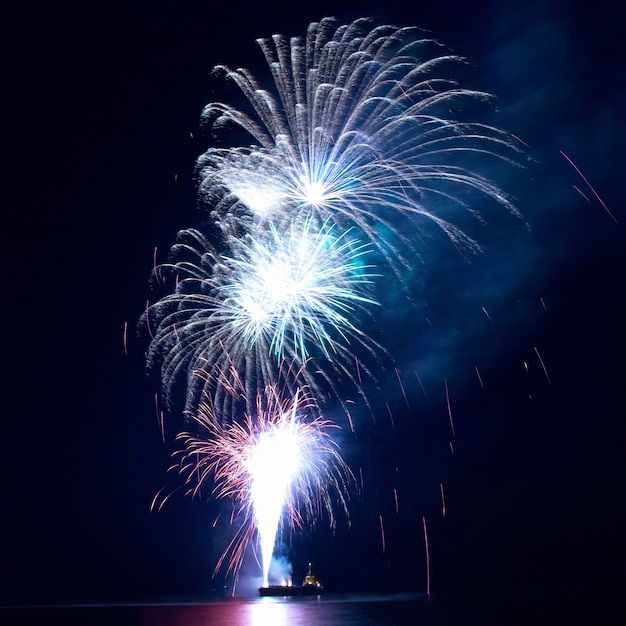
443 501
272 298
408 406
582 193
146 318
449 407
279 466
543 365
393 424
159 416
480 378
419 380
595 193
427 556
353 129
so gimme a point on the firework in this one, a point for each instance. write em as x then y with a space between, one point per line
279 466
358 124
290 296
357 146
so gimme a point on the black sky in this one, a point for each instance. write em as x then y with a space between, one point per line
103 126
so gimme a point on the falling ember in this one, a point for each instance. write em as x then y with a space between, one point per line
443 501
148 319
159 500
402 387
582 194
520 140
349 416
393 424
160 419
358 371
595 193
543 366
480 380
427 556
419 380
448 405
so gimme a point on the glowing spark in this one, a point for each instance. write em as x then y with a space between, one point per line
443 501
595 193
581 193
402 388
393 425
358 371
543 366
480 379
449 406
350 422
520 140
427 556
159 415
146 318
419 380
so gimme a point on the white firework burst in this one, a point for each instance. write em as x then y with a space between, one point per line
235 319
358 124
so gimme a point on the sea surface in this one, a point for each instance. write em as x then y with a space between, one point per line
330 610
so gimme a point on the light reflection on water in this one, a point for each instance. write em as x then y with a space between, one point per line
313 611
328 610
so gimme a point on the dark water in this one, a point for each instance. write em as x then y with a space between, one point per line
398 610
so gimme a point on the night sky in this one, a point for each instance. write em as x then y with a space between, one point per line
103 126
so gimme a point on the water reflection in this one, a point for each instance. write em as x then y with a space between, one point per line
258 612
300 611
270 612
